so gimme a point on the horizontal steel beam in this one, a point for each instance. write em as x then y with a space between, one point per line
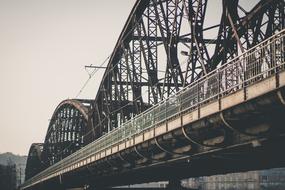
160 39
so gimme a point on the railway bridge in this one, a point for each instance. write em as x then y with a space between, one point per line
156 117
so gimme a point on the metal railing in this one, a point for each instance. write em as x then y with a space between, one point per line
260 62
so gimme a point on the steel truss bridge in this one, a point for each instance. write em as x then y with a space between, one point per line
180 97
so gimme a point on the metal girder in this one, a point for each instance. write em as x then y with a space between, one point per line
264 20
152 39
69 129
164 46
34 161
199 56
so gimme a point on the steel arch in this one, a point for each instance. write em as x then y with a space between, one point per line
34 161
70 128
147 65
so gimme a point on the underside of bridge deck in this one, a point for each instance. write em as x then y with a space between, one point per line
181 96
245 137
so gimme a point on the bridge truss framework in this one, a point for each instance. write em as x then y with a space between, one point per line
165 46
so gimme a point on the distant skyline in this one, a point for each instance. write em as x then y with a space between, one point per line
44 46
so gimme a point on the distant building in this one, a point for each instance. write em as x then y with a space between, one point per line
20 173
8 180
18 163
273 179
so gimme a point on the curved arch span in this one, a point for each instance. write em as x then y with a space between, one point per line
34 162
69 129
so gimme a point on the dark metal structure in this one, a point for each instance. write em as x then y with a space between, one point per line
70 129
34 162
165 45
168 44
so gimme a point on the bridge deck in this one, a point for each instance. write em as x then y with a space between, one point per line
254 73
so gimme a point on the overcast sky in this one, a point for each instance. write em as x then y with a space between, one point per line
44 46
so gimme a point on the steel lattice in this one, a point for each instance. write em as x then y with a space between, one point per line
163 47
148 63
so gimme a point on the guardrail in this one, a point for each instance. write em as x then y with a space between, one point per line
260 62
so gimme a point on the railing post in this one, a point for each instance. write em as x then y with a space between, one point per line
274 55
165 111
180 101
153 116
198 101
244 69
219 83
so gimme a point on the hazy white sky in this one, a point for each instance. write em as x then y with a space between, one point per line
44 45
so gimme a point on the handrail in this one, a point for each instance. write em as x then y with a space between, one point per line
257 63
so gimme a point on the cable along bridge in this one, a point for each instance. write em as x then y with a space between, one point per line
222 112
